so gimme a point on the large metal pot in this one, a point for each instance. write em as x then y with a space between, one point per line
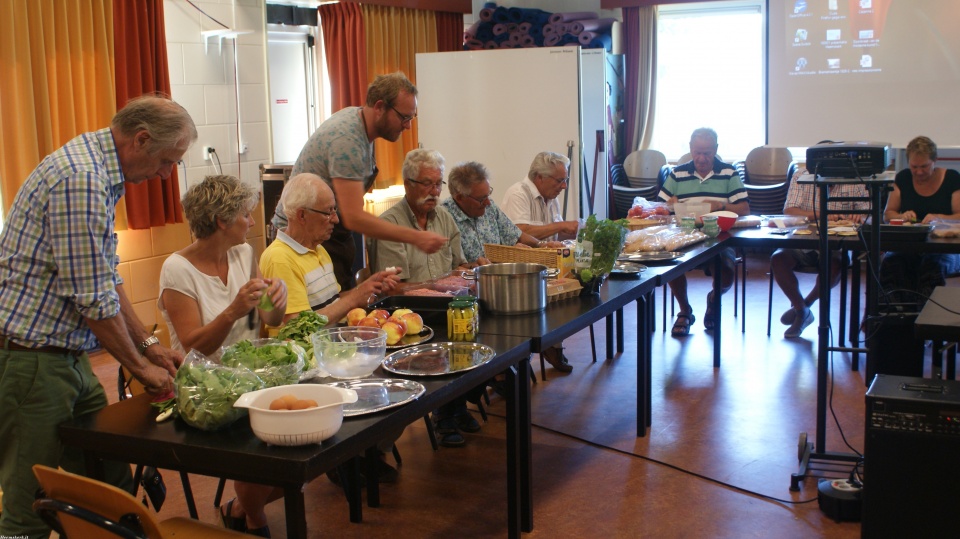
514 288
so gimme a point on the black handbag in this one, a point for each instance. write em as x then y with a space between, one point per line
153 485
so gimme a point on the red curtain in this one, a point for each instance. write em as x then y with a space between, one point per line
346 45
140 52
449 31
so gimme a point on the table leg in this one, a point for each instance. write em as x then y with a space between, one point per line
717 287
609 321
643 375
619 316
296 511
855 310
350 478
373 482
519 473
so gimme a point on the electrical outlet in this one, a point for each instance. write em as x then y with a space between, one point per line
207 153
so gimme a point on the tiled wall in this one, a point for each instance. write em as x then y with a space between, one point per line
205 78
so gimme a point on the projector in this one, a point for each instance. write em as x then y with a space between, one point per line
848 159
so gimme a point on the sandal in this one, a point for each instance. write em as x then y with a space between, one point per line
681 326
230 522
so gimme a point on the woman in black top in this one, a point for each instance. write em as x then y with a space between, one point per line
922 193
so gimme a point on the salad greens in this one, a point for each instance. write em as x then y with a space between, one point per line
277 363
599 244
299 330
206 392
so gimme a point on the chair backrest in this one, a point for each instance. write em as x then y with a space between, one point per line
618 176
107 501
643 167
766 165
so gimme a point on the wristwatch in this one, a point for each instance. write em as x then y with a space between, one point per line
151 340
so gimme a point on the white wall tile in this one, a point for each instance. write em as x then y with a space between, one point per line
203 66
253 102
221 104
256 136
175 62
191 98
181 21
252 65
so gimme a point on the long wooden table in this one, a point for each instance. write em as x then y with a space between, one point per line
126 431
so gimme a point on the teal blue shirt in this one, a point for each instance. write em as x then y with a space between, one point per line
492 227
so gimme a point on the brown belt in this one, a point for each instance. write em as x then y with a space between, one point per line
7 344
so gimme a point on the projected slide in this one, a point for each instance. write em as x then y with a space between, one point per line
834 37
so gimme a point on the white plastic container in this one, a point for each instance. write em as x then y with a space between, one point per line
296 427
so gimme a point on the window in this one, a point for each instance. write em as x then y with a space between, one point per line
710 74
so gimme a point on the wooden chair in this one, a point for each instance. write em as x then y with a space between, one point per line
79 507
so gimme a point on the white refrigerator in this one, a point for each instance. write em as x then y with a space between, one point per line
502 107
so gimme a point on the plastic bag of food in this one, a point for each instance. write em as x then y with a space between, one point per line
277 363
206 391
646 209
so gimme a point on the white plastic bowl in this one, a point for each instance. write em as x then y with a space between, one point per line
349 352
296 427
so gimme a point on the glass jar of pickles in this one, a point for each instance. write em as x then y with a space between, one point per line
463 319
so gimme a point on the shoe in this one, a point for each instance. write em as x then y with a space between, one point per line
385 472
788 316
466 423
237 524
799 324
259 532
681 326
449 434
555 357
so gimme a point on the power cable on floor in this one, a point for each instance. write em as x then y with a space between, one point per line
665 464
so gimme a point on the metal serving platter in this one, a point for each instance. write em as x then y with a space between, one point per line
653 256
439 358
410 340
377 394
627 268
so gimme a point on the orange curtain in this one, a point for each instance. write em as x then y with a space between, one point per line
394 37
141 60
56 80
346 50
449 31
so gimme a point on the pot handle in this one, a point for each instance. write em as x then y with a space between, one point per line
469 276
553 273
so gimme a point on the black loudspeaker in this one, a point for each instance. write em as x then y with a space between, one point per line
911 484
893 348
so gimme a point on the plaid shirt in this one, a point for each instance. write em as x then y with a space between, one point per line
492 227
804 196
58 247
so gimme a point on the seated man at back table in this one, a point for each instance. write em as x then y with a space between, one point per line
804 201
419 209
709 180
533 205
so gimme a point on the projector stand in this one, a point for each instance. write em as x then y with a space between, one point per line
814 453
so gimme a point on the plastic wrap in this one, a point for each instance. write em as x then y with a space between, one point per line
277 363
206 391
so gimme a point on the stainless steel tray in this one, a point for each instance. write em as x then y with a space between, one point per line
377 394
410 340
439 358
653 256
627 268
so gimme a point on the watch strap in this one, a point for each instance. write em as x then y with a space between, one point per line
151 340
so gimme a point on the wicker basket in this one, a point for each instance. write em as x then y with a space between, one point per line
504 253
635 223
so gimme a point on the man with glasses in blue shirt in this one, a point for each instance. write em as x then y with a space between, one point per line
341 152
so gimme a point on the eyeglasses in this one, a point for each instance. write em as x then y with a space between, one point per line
480 200
328 214
429 185
403 119
558 180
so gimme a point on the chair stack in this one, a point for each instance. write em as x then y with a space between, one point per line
642 171
766 174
